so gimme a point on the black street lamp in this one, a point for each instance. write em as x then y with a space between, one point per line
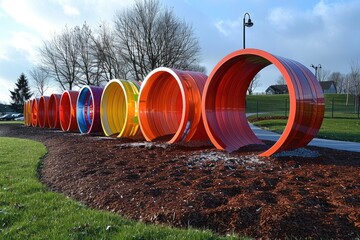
249 23
316 69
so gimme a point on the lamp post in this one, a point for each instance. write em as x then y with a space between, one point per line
249 23
316 69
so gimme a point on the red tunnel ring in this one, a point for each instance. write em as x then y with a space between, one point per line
43 112
170 105
225 119
67 111
53 111
34 112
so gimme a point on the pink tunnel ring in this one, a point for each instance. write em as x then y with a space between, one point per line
43 111
223 102
67 111
88 109
170 105
53 111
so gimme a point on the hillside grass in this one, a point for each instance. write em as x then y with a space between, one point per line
29 211
343 129
335 105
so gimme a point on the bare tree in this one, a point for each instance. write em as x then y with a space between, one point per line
40 79
59 58
280 80
322 74
353 79
110 63
150 36
87 62
339 80
254 84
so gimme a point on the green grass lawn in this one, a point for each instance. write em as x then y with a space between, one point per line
335 105
332 128
29 211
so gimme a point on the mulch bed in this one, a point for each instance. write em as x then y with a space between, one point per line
196 185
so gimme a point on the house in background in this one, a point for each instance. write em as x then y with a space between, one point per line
277 89
327 87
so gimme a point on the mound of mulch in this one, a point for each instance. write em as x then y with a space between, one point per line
196 185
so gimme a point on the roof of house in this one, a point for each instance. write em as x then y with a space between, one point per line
279 88
326 84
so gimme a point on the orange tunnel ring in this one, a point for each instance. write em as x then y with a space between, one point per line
43 111
223 101
170 105
67 111
53 111
119 108
34 112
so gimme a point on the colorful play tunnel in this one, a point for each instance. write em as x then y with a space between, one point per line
170 105
223 102
180 106
88 109
119 108
54 111
67 111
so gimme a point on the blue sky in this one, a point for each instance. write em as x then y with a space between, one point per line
311 32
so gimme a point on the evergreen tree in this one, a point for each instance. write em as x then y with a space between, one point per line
20 94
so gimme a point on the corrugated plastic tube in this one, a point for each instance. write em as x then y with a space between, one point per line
34 112
170 105
88 109
223 102
27 113
53 111
43 111
67 111
119 108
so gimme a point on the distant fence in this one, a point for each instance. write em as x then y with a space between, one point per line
336 105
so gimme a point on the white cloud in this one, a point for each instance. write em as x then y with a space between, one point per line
227 26
281 18
27 13
4 91
27 43
70 10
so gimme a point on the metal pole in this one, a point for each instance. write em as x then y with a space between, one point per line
332 108
244 32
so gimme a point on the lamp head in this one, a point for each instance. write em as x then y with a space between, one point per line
249 23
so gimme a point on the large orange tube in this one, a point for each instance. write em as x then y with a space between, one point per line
53 111
119 108
43 111
170 105
27 113
34 112
67 111
88 109
223 102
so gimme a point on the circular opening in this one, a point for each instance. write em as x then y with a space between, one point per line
84 110
118 110
160 106
53 111
42 111
224 101
34 110
65 111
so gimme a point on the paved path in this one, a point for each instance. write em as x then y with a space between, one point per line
339 145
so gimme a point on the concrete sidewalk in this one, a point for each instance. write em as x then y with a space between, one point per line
339 145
